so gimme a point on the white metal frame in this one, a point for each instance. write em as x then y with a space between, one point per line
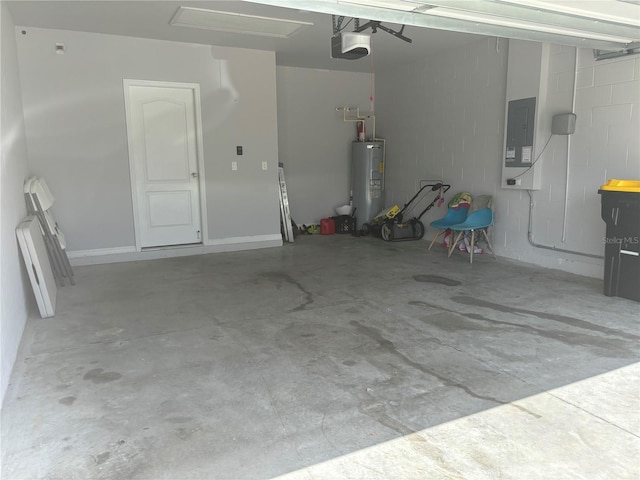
588 25
195 87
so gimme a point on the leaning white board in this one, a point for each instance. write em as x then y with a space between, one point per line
36 259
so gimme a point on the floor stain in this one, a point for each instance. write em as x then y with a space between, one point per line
428 450
186 433
103 457
436 279
98 375
525 410
376 410
67 400
281 277
109 332
571 321
349 363
390 348
456 322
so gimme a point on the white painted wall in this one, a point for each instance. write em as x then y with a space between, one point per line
77 137
445 117
14 293
314 142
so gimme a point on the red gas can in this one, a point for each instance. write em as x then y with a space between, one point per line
327 226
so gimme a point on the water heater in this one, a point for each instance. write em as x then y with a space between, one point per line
367 185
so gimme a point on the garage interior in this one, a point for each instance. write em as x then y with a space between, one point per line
330 359
335 356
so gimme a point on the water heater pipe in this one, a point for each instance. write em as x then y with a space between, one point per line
358 117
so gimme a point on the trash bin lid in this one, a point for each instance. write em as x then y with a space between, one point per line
616 185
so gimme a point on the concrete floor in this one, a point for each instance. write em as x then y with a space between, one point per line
334 358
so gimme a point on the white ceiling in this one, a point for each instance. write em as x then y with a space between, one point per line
307 48
310 46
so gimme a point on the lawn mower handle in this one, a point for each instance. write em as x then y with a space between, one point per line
438 186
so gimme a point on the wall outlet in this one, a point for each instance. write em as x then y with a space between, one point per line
234 165
265 165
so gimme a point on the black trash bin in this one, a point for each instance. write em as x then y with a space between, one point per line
621 213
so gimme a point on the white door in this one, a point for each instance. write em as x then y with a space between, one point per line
163 149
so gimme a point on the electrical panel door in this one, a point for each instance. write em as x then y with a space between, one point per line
520 128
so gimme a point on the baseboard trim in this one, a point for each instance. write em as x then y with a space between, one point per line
99 252
241 240
130 254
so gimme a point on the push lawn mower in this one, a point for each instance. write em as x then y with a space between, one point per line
391 224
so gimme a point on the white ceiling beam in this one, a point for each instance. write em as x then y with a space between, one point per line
538 16
423 19
612 11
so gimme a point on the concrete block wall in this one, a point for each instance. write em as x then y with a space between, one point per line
607 140
549 202
444 118
604 146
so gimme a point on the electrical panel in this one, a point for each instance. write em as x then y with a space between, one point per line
527 118
521 116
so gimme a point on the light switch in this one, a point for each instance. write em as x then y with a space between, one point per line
234 165
264 165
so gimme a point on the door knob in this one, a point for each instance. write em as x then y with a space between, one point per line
194 174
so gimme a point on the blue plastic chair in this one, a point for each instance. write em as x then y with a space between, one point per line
453 217
479 220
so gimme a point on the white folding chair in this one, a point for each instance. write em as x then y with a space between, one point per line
39 202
